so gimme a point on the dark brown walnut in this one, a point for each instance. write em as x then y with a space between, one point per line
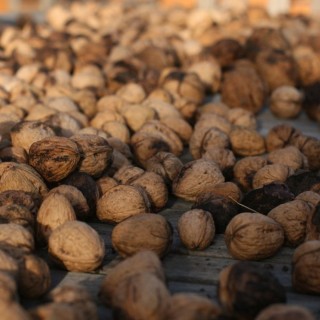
77 297
34 278
289 156
313 223
141 296
305 262
21 177
311 197
195 178
310 147
184 84
286 102
122 202
281 136
142 232
76 199
14 154
76 246
87 185
8 290
95 154
165 164
16 236
303 181
245 289
293 217
268 197
105 183
246 142
265 38
221 208
189 306
141 262
8 264
226 51
253 236
25 133
242 87
196 229
283 311
14 213
54 158
55 210
311 101
271 173
245 169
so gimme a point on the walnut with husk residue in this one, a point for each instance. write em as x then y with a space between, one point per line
244 289
54 158
142 232
141 262
196 229
305 262
76 247
195 178
253 236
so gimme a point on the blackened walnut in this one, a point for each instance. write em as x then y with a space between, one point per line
244 289
303 181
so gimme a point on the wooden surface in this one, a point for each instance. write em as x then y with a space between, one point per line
197 271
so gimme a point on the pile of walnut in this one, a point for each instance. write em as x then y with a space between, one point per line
96 107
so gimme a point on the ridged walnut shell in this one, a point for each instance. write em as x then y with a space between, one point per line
54 158
142 232
76 247
253 236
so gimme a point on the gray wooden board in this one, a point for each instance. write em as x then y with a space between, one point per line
197 271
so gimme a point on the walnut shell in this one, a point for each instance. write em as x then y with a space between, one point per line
106 183
8 291
305 262
311 149
121 202
227 189
76 247
246 142
311 197
283 311
180 126
14 154
54 158
132 93
196 229
253 236
242 118
292 216
142 232
195 178
21 177
189 306
244 289
8 264
54 211
96 154
141 262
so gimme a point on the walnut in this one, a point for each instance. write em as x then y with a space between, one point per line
142 232
311 197
310 148
281 136
227 189
54 158
195 178
117 129
313 225
305 262
141 262
94 131
54 211
271 173
283 311
18 214
253 236
213 120
242 87
162 108
120 146
8 290
21 177
105 116
189 306
196 229
217 108
141 296
304 181
132 93
245 289
14 154
76 199
180 126
8 264
246 142
286 102
292 216
121 202
89 76
289 156
311 101
76 247
242 118
34 278
106 183
16 236
96 154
